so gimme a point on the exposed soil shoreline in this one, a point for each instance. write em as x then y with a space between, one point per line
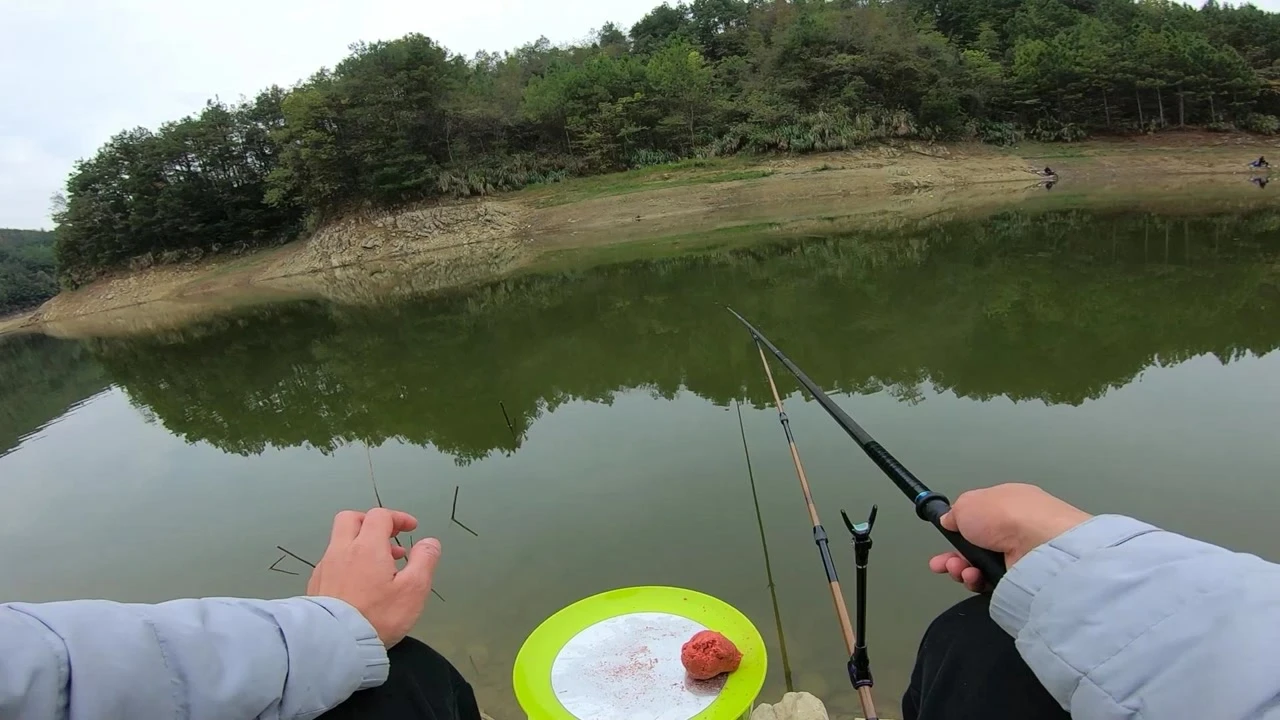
431 247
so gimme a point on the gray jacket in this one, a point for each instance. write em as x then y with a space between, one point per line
217 658
1119 619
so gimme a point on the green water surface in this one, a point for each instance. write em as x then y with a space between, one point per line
1122 360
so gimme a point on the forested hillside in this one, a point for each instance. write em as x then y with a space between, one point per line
26 269
407 119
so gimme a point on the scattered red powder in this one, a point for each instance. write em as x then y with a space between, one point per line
708 653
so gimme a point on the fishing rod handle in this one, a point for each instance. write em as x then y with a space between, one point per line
932 507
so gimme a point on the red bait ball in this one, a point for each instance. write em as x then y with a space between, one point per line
708 654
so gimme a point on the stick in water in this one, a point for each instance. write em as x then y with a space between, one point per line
281 570
507 417
378 498
453 516
295 557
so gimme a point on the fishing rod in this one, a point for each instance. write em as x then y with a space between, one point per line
820 538
930 506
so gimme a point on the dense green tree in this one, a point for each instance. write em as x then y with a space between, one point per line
407 120
720 26
566 100
611 40
682 82
27 276
660 25
374 128
193 186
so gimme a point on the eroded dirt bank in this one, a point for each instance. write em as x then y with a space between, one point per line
370 256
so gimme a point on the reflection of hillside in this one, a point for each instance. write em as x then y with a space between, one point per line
40 378
1057 307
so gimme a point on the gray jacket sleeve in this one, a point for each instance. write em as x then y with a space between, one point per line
1119 619
213 658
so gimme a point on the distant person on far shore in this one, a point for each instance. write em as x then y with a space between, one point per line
1261 162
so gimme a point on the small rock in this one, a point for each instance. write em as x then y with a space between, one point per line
109 296
794 706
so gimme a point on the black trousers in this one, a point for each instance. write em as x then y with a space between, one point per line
421 685
967 668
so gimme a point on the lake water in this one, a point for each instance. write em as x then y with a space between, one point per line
1123 361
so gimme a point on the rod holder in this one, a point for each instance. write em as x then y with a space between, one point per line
860 661
860 668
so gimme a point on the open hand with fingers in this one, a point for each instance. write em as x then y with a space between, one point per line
1013 519
359 568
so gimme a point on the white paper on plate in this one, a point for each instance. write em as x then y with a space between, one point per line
628 668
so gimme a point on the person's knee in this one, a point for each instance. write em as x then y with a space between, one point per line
966 610
412 657
968 618
410 646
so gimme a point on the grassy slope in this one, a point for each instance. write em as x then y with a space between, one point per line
686 172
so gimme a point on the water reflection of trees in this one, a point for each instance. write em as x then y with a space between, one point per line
40 378
1055 307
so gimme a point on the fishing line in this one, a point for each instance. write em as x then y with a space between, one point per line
764 544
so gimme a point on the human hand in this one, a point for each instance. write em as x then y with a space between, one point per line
359 568
1013 519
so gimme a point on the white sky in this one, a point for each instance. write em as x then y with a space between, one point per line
75 72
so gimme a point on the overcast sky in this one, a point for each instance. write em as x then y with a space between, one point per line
75 72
